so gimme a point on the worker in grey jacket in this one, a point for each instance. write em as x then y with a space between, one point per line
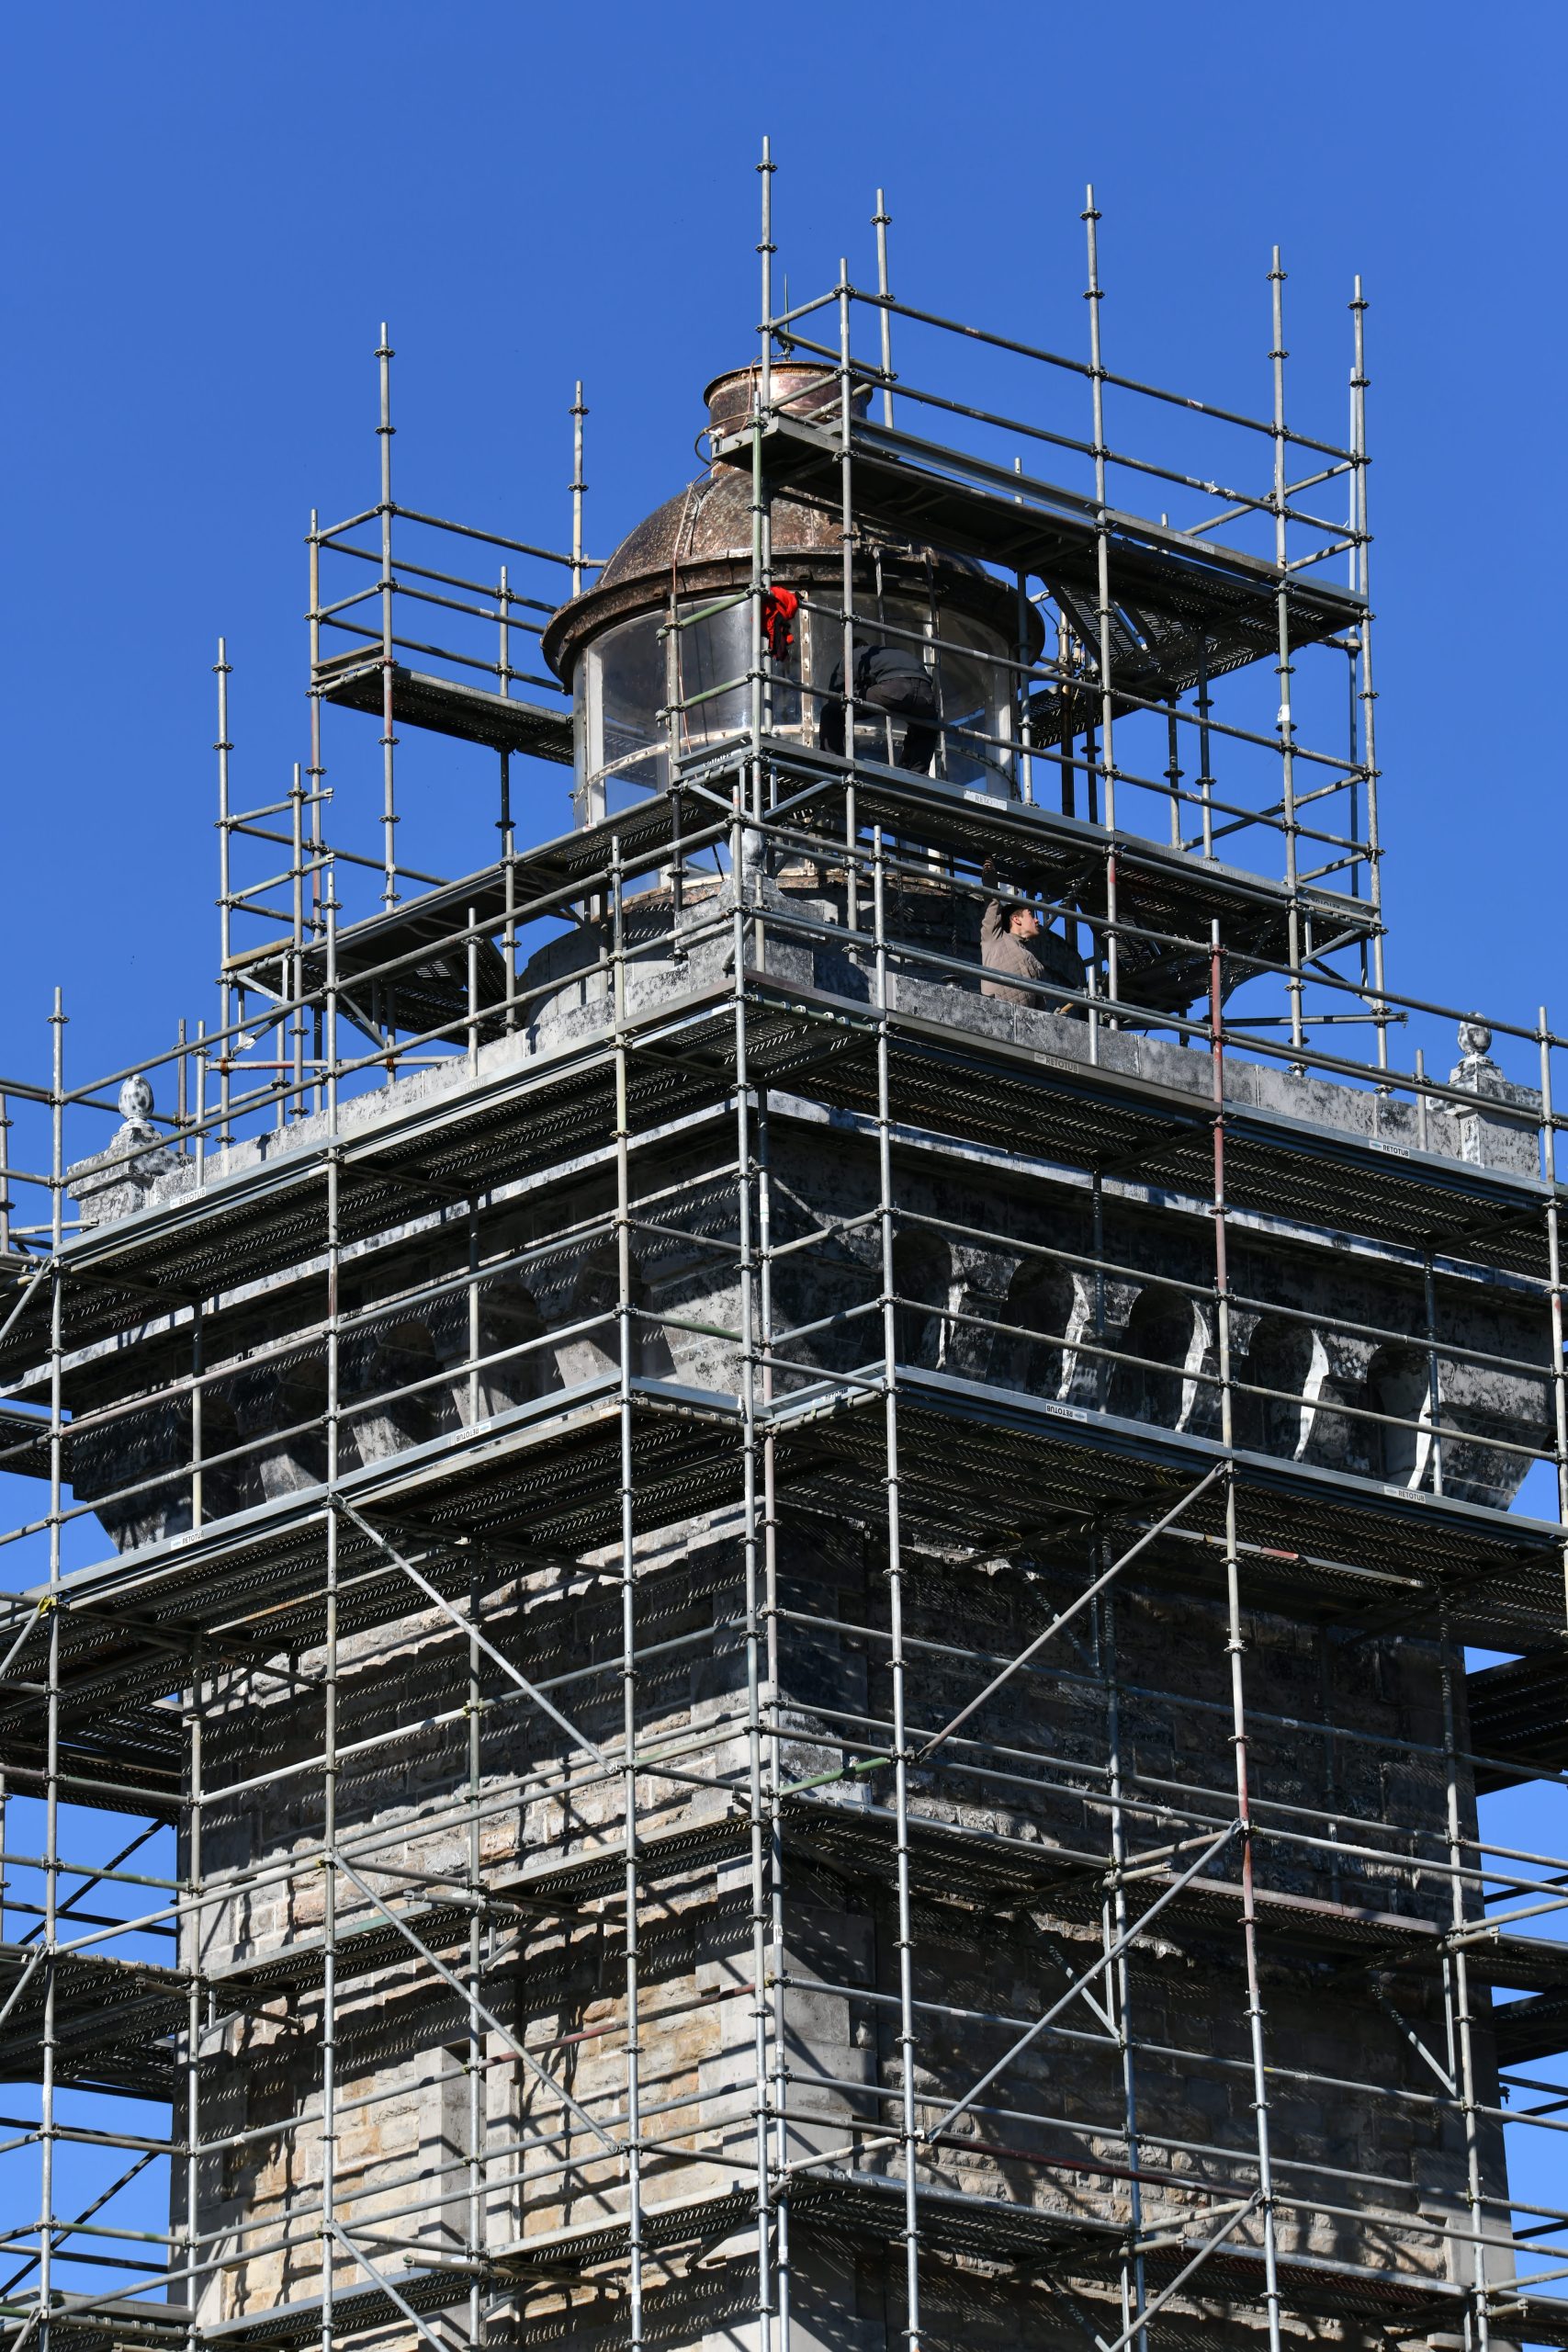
1014 940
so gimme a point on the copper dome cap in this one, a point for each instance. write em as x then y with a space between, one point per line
701 537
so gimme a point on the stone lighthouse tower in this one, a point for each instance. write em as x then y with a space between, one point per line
788 1494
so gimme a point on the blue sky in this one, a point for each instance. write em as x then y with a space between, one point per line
212 210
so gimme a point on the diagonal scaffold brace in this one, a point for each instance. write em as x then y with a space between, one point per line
465 1993
1066 1616
466 1624
1211 1852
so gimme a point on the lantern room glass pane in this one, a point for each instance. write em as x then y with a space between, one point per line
622 692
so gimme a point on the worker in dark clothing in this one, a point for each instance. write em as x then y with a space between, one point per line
888 678
1014 940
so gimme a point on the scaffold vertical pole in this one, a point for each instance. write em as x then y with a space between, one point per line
846 540
1284 667
1204 703
625 1351
1114 1928
384 357
1554 1286
887 1218
744 862
1236 1648
766 249
1434 1381
579 486
295 960
1023 779
1068 731
752 1277
503 671
190 1946
1094 296
316 771
770 1731
478 2229
1173 770
759 669
1367 690
330 1659
52 1835
1478 2327
222 672
881 221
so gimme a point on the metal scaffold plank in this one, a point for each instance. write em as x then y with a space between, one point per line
258 1579
1001 1468
414 956
417 954
1217 597
1519 1718
446 706
959 1867
996 1466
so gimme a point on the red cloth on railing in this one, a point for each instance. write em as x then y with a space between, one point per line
779 608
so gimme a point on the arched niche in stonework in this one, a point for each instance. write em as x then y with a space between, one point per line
1038 1308
922 1284
1157 1341
1270 1382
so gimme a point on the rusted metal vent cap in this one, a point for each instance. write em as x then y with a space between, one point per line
805 388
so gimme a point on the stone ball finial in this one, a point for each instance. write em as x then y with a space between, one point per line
1474 1037
136 1100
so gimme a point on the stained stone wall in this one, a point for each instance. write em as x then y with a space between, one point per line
985 1961
1005 1913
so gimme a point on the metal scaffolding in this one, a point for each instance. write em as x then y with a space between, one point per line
634 1405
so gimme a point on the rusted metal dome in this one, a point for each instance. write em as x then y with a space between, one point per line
700 540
